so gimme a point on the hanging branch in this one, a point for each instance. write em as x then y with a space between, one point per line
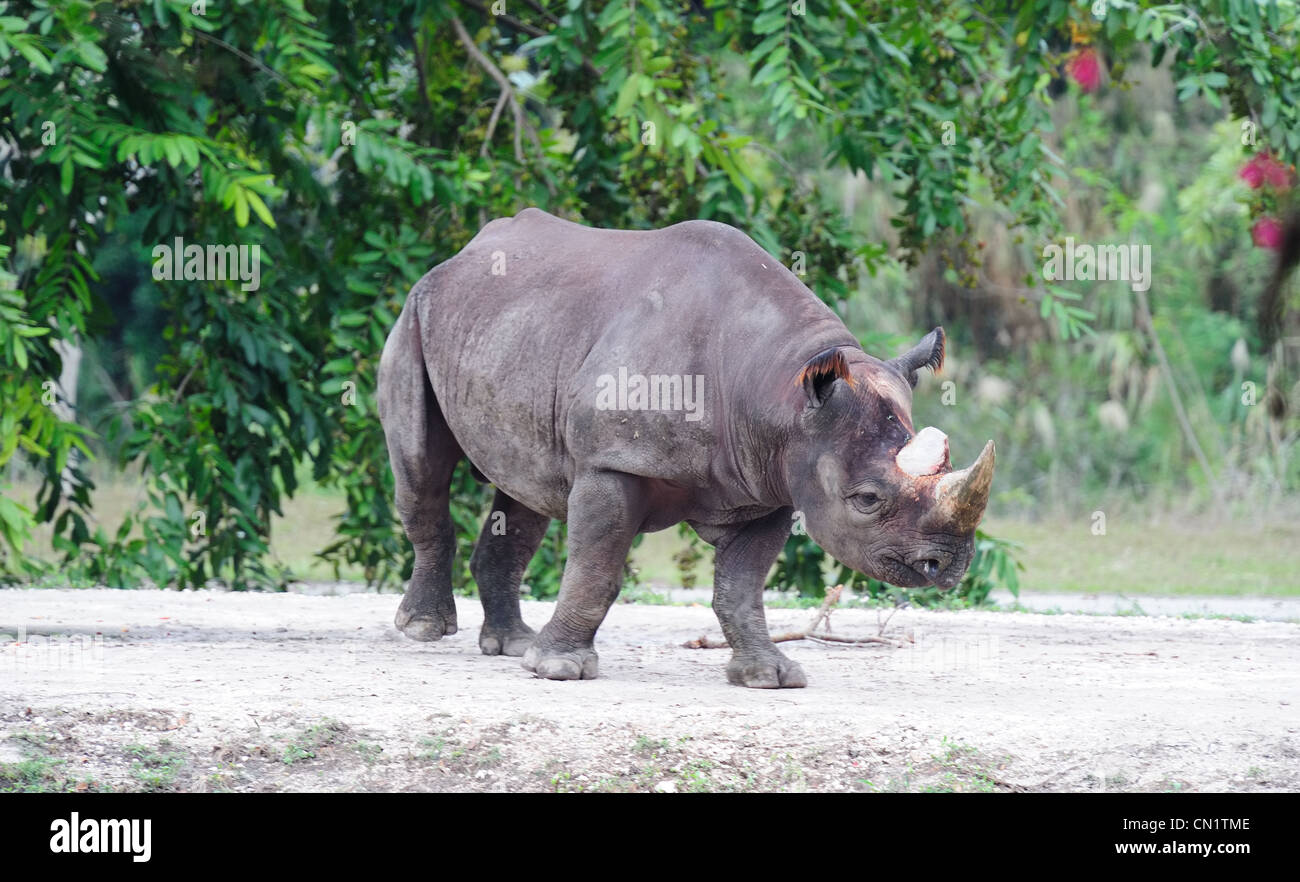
507 95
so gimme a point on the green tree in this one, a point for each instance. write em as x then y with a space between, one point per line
357 146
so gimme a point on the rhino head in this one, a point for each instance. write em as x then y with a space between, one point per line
877 496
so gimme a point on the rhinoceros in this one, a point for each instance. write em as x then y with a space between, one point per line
626 381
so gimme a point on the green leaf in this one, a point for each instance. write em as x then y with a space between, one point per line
627 95
35 56
259 208
241 205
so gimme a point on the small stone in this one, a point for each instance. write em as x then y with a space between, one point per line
666 787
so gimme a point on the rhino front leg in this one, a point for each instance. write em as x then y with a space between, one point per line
744 556
604 517
508 542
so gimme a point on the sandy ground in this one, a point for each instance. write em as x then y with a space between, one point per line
213 691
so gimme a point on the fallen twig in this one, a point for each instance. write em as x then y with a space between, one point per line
809 633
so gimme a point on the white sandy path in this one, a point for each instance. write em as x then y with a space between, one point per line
1046 701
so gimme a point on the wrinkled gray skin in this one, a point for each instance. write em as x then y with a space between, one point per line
497 356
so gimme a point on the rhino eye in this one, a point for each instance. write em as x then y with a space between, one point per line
867 502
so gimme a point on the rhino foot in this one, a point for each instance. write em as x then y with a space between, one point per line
576 664
513 640
425 626
766 672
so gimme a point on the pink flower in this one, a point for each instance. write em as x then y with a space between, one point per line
1262 170
1267 233
1277 175
1085 69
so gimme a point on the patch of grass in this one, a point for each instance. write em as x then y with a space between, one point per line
156 768
430 748
656 559
650 746
33 775
962 771
37 740
1139 557
309 742
222 780
694 777
38 771
956 768
643 595
307 525
1226 617
792 773
1148 558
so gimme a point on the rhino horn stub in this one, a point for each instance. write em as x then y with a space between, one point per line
960 497
926 454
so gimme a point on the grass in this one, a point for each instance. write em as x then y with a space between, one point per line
1143 556
156 769
431 749
960 771
1156 558
306 744
1152 557
37 774
663 765
958 768
38 771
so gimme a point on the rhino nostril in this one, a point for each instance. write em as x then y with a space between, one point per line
932 567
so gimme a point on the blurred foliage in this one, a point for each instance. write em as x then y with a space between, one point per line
358 146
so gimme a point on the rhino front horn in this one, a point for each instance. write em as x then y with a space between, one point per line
960 497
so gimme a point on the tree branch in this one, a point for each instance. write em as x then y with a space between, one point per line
507 93
525 28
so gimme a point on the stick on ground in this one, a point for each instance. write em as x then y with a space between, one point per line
809 633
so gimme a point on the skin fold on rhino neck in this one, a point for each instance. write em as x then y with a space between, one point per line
766 420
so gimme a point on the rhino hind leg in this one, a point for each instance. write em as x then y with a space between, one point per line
423 454
510 537
605 512
744 556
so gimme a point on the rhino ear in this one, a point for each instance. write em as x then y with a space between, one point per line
819 373
927 353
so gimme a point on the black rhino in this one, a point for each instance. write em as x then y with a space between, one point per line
626 381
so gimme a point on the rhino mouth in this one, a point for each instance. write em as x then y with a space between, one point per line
898 572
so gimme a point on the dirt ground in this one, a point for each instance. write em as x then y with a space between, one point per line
209 691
